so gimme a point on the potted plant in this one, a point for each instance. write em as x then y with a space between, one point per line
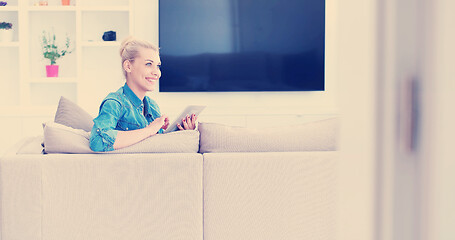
6 32
52 52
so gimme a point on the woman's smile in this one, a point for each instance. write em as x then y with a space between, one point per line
152 79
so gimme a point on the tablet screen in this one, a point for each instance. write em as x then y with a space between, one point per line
189 110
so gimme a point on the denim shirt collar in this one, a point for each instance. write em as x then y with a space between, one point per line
132 96
147 106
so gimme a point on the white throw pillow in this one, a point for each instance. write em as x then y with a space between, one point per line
63 139
59 138
314 136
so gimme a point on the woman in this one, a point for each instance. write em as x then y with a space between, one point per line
128 116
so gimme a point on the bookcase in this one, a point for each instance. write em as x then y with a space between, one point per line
93 64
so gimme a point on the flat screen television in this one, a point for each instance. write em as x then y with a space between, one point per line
242 45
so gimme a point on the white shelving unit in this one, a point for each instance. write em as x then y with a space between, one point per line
25 87
53 80
9 44
10 8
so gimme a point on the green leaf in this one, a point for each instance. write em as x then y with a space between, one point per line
50 49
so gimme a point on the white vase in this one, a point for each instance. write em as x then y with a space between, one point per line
6 35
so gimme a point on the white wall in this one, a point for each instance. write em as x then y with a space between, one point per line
256 103
256 109
356 67
438 123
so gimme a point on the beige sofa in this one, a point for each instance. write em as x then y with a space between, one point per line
95 196
222 192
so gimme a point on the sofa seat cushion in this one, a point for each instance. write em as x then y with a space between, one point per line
314 136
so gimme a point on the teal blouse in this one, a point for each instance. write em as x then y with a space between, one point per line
121 111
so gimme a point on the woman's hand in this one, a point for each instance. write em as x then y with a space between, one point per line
166 123
159 123
189 123
128 138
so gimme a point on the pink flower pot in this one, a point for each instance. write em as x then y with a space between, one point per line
52 70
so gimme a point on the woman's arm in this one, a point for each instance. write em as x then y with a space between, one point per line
104 137
103 133
128 138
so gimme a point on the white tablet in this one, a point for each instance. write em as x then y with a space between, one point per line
188 111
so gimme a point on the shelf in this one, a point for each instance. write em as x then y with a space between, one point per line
104 8
101 44
74 8
26 89
53 80
27 111
52 8
8 8
9 44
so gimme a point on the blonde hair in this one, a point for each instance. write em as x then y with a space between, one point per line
129 49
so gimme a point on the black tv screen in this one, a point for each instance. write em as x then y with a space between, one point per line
242 45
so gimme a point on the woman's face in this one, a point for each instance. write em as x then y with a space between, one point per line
143 73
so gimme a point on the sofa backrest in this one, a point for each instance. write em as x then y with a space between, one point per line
313 136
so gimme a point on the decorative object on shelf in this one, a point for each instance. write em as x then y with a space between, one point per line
2 3
65 2
6 32
43 3
51 51
52 70
110 36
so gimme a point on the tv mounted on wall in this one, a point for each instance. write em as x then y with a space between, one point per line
242 45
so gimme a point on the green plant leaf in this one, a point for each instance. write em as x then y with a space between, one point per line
50 49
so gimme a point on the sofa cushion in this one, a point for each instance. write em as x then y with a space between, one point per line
59 138
313 136
71 115
31 145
